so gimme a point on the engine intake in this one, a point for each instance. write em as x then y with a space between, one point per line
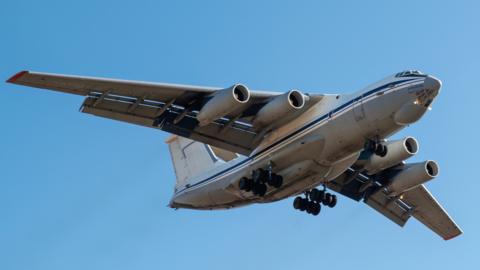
279 107
222 103
397 151
412 176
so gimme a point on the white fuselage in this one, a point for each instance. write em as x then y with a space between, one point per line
318 146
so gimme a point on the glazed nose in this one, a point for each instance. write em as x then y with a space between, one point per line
432 83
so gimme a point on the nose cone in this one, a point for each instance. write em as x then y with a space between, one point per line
432 83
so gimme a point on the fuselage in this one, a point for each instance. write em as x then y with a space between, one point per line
319 145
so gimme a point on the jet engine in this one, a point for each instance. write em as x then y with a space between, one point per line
411 176
279 107
397 151
222 103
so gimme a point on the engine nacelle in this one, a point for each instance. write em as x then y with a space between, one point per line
397 151
411 176
222 103
279 107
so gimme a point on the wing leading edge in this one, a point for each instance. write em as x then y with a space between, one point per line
169 107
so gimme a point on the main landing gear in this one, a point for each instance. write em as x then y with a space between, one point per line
313 200
259 181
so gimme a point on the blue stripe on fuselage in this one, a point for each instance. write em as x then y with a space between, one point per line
329 114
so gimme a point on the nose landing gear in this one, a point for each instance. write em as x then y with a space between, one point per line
313 200
376 147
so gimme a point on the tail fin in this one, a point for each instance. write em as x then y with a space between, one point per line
189 158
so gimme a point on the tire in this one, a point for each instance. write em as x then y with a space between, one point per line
385 151
314 195
277 180
297 203
381 150
260 189
333 201
242 183
303 205
316 209
310 206
327 199
260 176
321 196
245 184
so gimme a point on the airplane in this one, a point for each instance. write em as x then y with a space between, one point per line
233 146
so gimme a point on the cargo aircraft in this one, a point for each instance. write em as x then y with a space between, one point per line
234 146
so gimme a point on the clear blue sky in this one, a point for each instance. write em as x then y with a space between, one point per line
79 192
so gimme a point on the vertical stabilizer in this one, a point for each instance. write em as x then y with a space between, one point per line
190 158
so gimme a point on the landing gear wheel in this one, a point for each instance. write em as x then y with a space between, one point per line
259 189
311 207
275 180
260 176
278 180
333 202
381 150
303 204
314 194
328 199
317 195
297 203
245 184
316 209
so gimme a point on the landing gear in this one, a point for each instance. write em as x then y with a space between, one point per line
303 204
259 189
313 208
275 180
323 197
259 181
313 201
245 184
330 200
300 203
377 148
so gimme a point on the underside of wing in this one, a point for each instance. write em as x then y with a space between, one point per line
428 211
233 118
352 185
416 202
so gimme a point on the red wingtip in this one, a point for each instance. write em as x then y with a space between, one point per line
451 237
16 76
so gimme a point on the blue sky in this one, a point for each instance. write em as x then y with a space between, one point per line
79 192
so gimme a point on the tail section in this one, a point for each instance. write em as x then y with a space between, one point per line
189 158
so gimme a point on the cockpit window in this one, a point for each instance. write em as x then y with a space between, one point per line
410 73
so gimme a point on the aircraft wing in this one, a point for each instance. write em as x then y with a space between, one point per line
417 202
169 107
428 211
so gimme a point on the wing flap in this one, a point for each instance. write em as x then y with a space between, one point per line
428 211
350 185
169 107
132 119
390 208
236 137
417 202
